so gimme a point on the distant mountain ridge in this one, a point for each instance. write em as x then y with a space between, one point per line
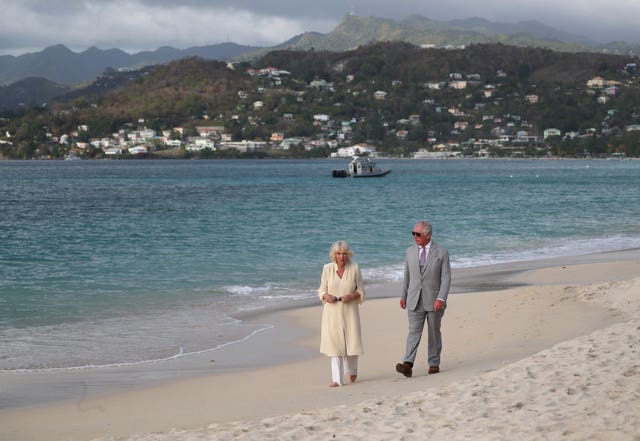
61 65
57 64
532 27
354 31
503 90
30 92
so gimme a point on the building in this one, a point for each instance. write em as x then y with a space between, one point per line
356 150
380 95
548 133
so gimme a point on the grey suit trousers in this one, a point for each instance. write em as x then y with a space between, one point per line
417 319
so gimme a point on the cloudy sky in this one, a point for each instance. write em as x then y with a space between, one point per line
134 25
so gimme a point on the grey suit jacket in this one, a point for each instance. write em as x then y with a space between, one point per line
434 282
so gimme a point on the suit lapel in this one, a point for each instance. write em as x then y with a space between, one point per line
430 256
413 260
414 257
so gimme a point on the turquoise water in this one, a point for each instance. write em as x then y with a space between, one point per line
118 262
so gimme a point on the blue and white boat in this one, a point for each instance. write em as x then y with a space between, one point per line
361 168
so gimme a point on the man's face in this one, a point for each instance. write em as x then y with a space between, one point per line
421 238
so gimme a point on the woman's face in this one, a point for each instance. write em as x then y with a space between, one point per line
342 257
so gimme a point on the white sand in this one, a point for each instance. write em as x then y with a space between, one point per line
559 359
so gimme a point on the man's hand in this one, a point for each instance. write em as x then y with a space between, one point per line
438 305
403 303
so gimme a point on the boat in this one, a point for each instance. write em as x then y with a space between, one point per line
361 168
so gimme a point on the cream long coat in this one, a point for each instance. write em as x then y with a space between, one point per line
340 332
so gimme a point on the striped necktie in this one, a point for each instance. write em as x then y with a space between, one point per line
423 258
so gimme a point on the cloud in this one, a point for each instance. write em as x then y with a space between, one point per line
617 19
133 25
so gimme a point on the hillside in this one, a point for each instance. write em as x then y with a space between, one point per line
395 95
175 91
60 65
29 92
190 86
406 62
354 31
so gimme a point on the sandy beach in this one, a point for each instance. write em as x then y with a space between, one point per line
554 355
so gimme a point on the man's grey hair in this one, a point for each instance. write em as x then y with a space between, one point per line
426 226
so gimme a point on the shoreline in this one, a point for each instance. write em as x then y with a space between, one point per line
265 369
274 330
170 157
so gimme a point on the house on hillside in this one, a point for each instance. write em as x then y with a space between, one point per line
113 151
207 131
356 150
173 143
321 85
461 125
435 85
243 146
277 137
612 90
380 95
201 144
459 85
489 91
532 98
597 83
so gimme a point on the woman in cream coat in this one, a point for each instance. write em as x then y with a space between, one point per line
341 291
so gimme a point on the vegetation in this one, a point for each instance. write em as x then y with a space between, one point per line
496 101
353 31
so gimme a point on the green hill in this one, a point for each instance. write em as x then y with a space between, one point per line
30 92
502 91
354 31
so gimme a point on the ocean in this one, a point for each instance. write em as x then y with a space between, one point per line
111 263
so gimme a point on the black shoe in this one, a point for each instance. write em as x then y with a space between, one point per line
404 368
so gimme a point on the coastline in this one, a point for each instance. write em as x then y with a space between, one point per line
272 344
279 371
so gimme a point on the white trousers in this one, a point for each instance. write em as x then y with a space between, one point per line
343 366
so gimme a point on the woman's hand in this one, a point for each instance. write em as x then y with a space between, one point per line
328 298
350 297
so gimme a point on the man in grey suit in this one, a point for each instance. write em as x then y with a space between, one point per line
427 278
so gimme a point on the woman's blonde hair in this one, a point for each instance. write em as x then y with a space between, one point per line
338 246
